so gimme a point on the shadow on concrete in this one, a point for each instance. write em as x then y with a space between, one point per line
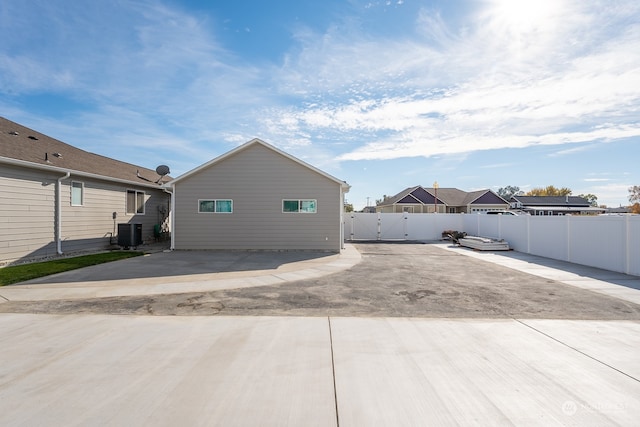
581 271
180 263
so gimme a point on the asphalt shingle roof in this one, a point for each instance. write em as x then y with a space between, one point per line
21 143
448 196
552 200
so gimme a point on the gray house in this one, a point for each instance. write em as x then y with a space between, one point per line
555 205
442 200
57 198
257 197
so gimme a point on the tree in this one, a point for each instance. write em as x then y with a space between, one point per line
635 208
550 190
592 199
384 197
348 207
634 194
508 191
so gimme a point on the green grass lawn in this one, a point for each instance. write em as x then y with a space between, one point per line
20 273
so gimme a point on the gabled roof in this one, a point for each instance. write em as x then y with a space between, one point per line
552 201
251 143
484 197
390 200
450 196
25 147
446 196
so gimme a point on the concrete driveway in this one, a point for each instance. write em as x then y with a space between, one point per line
409 335
374 279
181 272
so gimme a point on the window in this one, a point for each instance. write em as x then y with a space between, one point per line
302 206
215 206
77 193
135 202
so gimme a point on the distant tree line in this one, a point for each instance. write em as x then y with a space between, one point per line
550 190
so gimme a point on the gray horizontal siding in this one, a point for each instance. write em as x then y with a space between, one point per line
257 179
92 224
27 213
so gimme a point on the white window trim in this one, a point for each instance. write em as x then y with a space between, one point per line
315 201
214 206
71 187
126 202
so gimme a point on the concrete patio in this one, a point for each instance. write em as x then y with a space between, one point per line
101 369
242 371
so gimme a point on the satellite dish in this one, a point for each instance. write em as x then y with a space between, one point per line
162 170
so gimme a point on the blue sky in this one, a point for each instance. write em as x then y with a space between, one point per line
382 94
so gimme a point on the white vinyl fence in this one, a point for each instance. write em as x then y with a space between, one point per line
608 242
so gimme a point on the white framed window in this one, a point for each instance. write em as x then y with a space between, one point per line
215 206
135 202
77 193
299 205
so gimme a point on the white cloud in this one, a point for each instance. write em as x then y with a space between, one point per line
513 75
611 195
500 83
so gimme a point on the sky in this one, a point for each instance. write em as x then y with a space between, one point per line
384 94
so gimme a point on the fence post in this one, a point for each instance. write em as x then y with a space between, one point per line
404 226
353 224
627 258
568 237
528 234
379 228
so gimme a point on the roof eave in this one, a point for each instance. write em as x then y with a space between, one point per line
247 145
31 165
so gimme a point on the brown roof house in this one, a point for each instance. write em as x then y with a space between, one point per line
257 197
57 198
442 200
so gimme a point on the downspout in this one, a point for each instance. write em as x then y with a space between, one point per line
173 218
58 213
341 219
344 189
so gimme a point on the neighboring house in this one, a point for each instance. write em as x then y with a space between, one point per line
449 200
57 198
257 197
620 210
554 205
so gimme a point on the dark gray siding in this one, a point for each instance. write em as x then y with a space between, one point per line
257 179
